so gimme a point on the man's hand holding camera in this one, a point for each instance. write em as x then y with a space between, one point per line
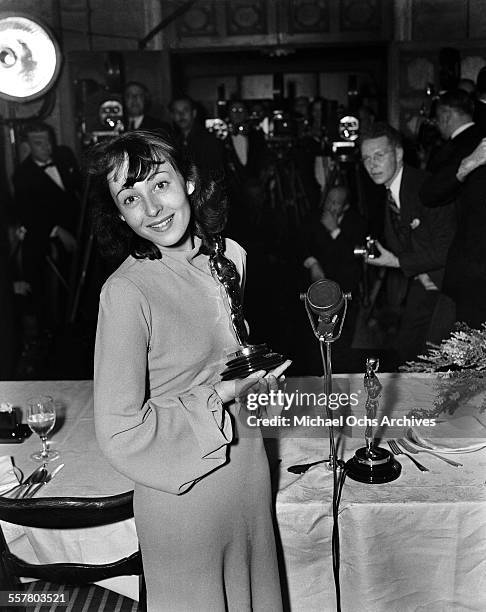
385 258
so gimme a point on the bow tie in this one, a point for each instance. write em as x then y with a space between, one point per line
48 165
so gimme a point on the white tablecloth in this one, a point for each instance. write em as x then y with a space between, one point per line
416 544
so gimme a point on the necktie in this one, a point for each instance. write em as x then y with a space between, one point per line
401 231
390 200
48 165
131 123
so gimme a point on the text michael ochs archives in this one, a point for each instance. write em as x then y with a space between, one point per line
262 403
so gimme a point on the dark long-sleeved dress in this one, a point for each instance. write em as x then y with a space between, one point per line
202 492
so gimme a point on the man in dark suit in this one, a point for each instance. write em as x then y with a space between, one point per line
458 178
480 102
417 238
47 195
8 340
248 163
137 102
201 146
328 240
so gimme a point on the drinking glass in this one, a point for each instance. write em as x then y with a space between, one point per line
41 417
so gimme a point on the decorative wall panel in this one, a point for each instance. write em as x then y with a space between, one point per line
439 20
477 19
360 15
199 20
246 17
307 16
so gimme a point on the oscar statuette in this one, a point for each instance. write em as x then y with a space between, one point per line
250 357
372 464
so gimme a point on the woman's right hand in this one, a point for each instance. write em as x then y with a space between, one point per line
260 382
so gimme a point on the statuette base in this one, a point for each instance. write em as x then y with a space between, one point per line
378 467
250 359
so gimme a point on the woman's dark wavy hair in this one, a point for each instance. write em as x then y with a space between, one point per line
144 151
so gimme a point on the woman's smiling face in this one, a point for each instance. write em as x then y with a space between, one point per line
156 208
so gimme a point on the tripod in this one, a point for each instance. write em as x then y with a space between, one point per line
83 256
287 195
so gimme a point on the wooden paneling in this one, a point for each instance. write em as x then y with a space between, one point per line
360 15
477 19
439 20
225 23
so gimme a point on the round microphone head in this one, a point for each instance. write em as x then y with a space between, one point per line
325 297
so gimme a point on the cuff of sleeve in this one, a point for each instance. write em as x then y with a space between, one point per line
54 231
208 420
335 233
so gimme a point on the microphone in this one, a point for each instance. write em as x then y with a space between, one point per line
326 299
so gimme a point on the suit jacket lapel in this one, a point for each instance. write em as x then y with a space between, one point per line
44 178
406 204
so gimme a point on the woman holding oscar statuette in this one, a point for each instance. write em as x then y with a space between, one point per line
164 418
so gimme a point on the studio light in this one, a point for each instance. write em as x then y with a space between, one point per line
30 59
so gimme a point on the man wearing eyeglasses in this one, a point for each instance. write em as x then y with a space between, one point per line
417 238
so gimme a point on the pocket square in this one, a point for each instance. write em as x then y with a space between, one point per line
414 223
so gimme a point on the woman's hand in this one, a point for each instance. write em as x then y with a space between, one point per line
258 382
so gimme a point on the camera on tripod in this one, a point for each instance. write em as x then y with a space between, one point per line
369 250
345 149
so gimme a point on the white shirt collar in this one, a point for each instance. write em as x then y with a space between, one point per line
136 121
395 187
461 129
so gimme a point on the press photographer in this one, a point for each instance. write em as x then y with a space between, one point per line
417 238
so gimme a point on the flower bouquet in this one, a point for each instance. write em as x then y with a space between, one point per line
460 362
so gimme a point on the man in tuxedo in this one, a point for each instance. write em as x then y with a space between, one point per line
417 238
137 102
201 146
458 178
248 163
47 198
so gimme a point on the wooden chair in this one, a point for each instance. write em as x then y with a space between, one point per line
67 513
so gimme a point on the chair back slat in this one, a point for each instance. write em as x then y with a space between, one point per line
67 512
73 573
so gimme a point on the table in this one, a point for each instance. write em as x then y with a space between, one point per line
418 543
86 473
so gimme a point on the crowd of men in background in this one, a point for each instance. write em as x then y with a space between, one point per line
299 211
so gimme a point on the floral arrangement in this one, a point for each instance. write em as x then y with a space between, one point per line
460 361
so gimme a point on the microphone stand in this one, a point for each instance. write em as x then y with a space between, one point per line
324 333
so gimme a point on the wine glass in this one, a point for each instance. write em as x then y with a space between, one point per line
41 417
